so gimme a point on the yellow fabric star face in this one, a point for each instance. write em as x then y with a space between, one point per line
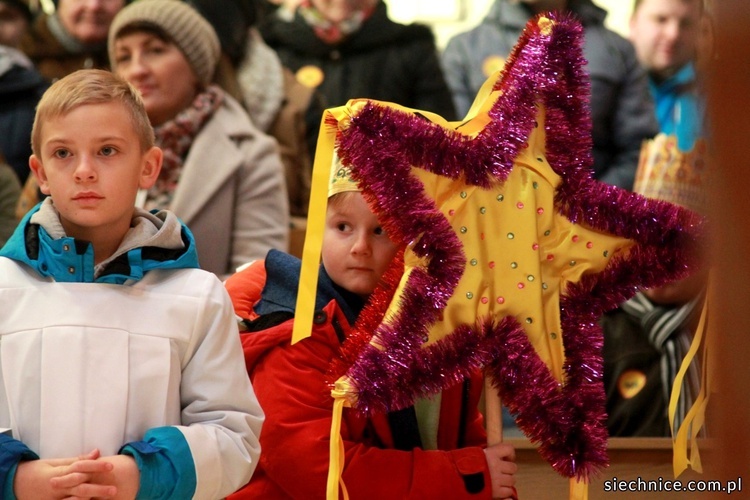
520 253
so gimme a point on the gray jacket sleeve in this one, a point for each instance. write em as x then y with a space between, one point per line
456 68
622 108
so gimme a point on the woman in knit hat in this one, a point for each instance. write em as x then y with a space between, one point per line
222 176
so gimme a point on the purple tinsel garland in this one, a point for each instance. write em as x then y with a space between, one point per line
381 144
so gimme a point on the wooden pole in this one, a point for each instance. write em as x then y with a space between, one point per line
493 413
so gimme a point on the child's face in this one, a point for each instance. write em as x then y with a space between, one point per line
91 163
356 250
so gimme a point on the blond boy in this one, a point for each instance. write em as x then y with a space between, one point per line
120 366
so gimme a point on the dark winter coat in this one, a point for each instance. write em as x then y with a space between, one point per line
21 87
383 60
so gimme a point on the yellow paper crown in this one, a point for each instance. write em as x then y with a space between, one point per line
669 174
341 178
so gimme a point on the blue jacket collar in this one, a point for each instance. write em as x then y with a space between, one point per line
684 77
66 259
282 280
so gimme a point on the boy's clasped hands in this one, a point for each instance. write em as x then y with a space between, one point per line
85 477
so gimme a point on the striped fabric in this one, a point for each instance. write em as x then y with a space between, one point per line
670 330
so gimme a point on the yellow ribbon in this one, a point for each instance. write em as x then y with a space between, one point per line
695 418
308 279
579 490
336 447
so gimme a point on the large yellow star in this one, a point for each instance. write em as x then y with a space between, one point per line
512 250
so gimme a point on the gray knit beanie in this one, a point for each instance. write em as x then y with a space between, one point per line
189 31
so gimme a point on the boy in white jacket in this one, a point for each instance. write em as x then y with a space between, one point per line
121 371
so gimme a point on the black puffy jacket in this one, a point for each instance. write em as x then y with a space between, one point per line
21 87
383 60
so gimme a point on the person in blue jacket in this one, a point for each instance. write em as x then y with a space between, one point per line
121 370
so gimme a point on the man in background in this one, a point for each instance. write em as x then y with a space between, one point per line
665 35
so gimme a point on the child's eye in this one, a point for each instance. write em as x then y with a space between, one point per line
341 226
108 151
61 153
379 230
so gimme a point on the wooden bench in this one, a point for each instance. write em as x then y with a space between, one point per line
630 459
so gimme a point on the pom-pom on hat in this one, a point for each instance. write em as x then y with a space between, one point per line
190 31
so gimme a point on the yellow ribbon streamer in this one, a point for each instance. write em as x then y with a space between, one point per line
579 490
695 418
336 447
308 278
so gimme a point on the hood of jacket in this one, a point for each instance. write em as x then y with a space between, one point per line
516 15
376 31
279 295
280 291
155 240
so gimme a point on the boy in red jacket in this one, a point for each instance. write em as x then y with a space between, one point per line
436 448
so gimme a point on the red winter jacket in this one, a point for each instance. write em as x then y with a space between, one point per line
290 383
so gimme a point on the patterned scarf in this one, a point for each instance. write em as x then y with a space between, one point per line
670 330
332 33
175 138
